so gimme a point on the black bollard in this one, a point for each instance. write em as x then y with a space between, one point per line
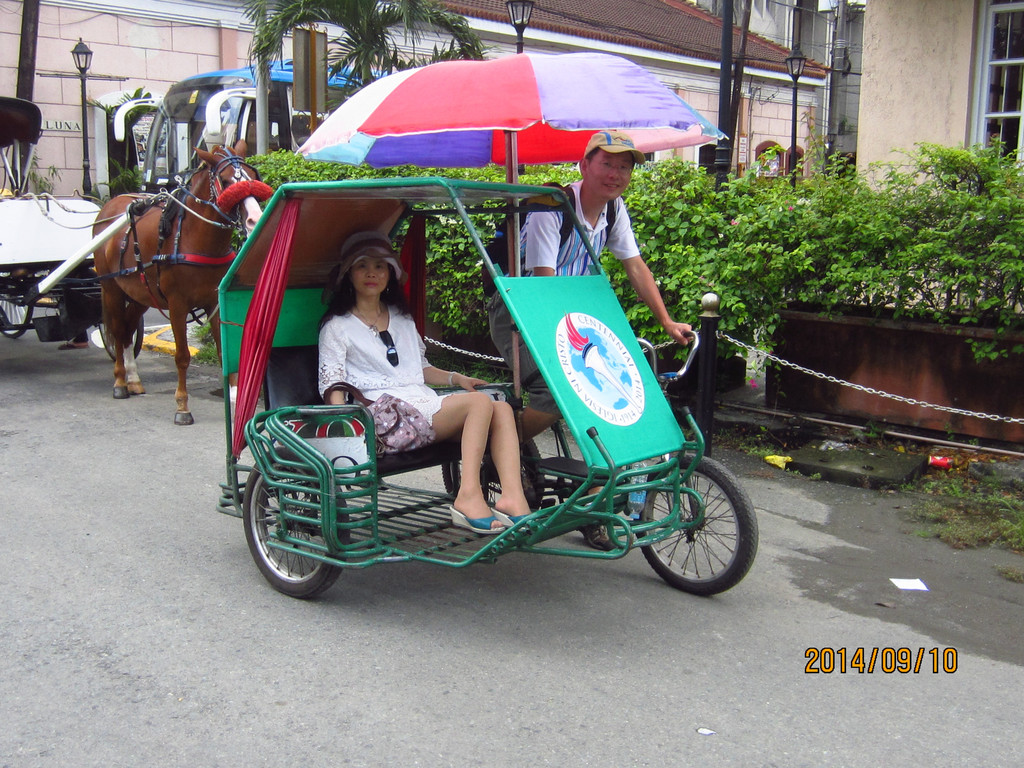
707 367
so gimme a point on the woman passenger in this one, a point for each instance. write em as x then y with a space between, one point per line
369 340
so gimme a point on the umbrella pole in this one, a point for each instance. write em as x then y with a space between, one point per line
511 157
512 177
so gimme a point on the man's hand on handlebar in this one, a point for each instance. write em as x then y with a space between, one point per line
680 332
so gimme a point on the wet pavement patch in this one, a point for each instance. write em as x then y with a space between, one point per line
858 466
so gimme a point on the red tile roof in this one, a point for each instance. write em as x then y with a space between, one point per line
670 26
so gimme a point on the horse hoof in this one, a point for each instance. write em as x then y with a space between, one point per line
121 393
183 419
136 389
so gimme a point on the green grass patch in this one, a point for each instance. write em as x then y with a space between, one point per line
207 354
966 513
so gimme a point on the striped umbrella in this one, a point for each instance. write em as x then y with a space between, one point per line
539 108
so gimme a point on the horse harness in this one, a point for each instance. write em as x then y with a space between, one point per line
174 208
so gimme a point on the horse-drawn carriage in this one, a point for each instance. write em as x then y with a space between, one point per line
67 265
37 234
314 496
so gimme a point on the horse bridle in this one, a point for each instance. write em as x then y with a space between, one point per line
217 187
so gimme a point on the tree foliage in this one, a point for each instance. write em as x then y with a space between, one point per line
375 37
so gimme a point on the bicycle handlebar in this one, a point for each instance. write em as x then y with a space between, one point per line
693 353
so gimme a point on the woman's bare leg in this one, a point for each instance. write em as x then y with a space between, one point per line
469 413
506 458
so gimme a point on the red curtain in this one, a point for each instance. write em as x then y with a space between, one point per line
414 262
261 323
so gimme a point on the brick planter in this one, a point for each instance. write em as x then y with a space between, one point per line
930 363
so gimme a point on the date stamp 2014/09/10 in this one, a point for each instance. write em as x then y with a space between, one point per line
826 660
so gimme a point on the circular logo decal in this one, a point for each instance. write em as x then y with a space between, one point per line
599 369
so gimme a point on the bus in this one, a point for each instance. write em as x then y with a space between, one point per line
220 108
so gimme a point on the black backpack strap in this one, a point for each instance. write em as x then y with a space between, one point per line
566 228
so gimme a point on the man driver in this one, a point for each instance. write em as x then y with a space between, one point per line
605 170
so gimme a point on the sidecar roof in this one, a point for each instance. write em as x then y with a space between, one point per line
328 212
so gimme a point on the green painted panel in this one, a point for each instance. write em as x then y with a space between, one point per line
589 357
297 326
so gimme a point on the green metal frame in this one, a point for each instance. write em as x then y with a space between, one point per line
359 523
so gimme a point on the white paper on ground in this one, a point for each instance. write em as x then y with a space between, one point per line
909 584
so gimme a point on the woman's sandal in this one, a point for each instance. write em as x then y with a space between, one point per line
509 520
476 524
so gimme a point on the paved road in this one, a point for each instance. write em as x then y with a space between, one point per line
137 631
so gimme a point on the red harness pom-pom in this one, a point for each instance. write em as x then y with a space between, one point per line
240 190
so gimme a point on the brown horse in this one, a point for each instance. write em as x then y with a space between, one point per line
172 254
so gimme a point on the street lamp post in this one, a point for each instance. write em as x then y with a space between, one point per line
519 12
83 58
795 65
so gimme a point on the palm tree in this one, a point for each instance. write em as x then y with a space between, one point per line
368 47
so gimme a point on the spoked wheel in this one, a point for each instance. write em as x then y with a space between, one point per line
290 573
108 343
716 555
451 473
14 319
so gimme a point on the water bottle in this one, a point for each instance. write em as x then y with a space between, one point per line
637 499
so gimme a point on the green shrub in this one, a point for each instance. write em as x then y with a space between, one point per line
937 239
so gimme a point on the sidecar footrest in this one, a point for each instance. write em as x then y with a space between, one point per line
563 466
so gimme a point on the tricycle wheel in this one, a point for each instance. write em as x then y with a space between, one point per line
717 554
14 319
288 572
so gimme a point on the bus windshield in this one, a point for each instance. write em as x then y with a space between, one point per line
219 108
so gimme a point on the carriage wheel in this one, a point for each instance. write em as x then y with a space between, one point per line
292 574
108 343
451 473
14 319
718 554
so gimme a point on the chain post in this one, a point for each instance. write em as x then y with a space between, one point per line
707 366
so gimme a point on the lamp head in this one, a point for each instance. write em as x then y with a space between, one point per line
519 12
795 63
82 55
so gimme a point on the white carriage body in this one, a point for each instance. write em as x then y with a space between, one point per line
38 230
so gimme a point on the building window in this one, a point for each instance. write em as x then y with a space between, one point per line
770 159
1002 106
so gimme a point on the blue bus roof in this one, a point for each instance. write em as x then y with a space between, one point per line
280 72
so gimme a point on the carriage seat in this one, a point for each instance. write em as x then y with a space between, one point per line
292 380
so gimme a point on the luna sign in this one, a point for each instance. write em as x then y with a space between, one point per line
62 126
599 369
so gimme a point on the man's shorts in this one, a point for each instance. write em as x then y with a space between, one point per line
500 322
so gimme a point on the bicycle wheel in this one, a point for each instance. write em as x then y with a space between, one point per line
290 573
717 554
14 319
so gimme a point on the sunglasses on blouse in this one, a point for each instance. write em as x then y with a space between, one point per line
392 353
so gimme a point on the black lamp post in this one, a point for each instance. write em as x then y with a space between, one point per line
519 12
83 58
795 65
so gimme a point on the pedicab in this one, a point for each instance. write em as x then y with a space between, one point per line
314 496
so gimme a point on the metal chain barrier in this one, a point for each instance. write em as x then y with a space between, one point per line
466 352
795 367
870 390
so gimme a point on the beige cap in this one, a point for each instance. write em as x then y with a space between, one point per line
614 141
